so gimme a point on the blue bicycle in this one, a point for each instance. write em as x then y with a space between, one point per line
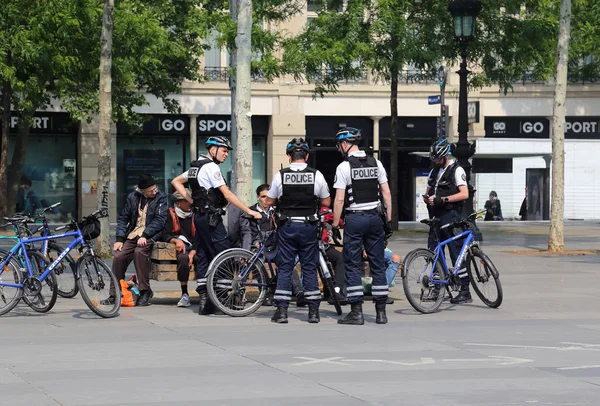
426 276
94 278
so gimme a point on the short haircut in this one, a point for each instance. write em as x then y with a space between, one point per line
264 186
298 154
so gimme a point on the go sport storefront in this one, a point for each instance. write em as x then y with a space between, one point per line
161 147
49 172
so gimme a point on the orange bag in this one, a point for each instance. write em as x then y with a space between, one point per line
126 295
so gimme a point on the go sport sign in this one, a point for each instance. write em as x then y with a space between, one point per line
539 127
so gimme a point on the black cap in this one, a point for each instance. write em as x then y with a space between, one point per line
145 181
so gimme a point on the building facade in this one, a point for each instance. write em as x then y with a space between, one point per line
512 133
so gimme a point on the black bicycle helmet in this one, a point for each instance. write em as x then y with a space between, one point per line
439 149
218 141
348 134
297 144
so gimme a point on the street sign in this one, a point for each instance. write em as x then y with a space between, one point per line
434 99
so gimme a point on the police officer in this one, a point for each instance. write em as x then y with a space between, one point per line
301 191
446 191
360 184
210 195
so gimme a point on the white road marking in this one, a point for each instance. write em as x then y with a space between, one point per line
498 359
588 347
424 361
310 361
580 367
501 360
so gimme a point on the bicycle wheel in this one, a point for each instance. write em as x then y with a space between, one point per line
485 278
330 287
10 296
65 271
40 295
95 278
424 296
231 293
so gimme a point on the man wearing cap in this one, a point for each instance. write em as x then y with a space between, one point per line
140 223
181 231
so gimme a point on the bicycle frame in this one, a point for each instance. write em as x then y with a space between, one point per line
21 245
440 256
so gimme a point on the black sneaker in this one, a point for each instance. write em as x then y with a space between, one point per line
110 301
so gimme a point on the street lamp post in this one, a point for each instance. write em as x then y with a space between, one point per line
464 13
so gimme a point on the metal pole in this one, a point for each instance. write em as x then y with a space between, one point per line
463 151
442 76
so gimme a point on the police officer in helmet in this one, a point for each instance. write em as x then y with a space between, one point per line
301 191
210 195
446 191
360 184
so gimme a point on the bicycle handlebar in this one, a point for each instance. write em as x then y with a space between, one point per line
472 217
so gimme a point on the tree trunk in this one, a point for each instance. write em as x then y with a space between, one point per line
556 242
105 99
6 97
18 160
243 162
232 88
393 174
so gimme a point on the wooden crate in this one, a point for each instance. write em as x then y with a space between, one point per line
163 263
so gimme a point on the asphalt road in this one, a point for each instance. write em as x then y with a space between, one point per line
542 346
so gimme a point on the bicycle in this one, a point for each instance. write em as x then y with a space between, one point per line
65 271
238 282
432 277
91 272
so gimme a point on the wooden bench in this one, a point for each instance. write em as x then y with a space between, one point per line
163 263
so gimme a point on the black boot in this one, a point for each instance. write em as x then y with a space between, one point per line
313 315
464 296
206 306
381 317
280 315
355 316
145 297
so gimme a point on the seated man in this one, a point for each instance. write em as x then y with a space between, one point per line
140 223
238 231
181 231
257 231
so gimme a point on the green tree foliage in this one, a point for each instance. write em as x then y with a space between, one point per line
267 39
51 49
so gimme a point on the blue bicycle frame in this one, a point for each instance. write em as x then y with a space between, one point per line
21 246
440 256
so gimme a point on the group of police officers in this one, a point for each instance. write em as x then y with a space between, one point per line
362 195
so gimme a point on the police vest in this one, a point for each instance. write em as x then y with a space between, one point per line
298 193
213 198
364 184
446 185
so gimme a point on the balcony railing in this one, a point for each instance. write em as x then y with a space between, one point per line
530 79
325 73
219 74
573 78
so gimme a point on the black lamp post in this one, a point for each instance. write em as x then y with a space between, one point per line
464 13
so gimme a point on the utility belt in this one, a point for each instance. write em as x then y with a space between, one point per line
215 214
370 211
283 219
